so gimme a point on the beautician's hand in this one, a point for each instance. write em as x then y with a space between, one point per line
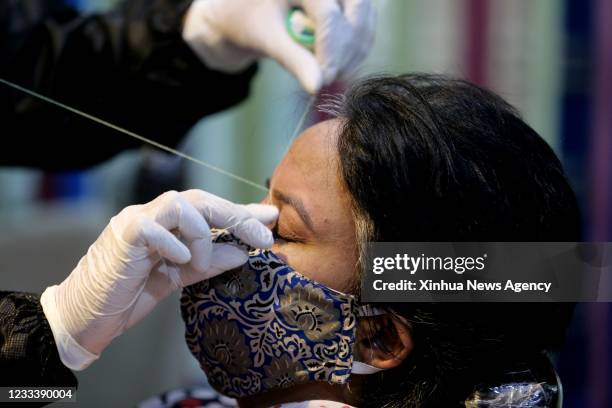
230 34
146 252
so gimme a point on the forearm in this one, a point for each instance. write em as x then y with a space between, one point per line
28 354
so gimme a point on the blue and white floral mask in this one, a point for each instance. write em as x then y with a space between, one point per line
266 326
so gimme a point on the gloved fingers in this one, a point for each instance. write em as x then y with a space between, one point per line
361 15
332 34
221 213
250 232
321 10
266 214
217 211
224 257
173 275
175 212
269 36
344 34
201 253
296 59
172 211
158 286
160 240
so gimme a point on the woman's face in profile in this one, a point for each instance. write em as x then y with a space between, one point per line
315 229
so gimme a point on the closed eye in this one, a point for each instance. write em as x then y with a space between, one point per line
280 239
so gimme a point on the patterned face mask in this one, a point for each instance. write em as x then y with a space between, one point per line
265 326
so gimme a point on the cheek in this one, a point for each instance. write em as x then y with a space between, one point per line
330 266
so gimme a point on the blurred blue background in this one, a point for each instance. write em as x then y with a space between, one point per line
552 59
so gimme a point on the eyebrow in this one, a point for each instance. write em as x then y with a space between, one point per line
297 204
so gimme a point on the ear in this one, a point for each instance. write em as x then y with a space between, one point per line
384 341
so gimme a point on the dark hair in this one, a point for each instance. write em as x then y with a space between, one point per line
429 158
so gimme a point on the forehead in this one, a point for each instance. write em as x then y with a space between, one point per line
310 173
312 160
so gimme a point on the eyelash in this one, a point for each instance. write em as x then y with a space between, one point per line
278 237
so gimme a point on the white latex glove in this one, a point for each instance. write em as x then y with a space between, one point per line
138 260
228 35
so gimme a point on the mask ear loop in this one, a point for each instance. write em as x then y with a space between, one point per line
360 367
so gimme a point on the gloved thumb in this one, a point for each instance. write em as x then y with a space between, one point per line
264 213
224 257
297 60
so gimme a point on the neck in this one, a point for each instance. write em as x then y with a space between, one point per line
347 394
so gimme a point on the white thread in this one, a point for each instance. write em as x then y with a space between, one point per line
301 121
135 135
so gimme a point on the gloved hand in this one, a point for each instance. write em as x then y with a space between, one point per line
138 260
228 35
